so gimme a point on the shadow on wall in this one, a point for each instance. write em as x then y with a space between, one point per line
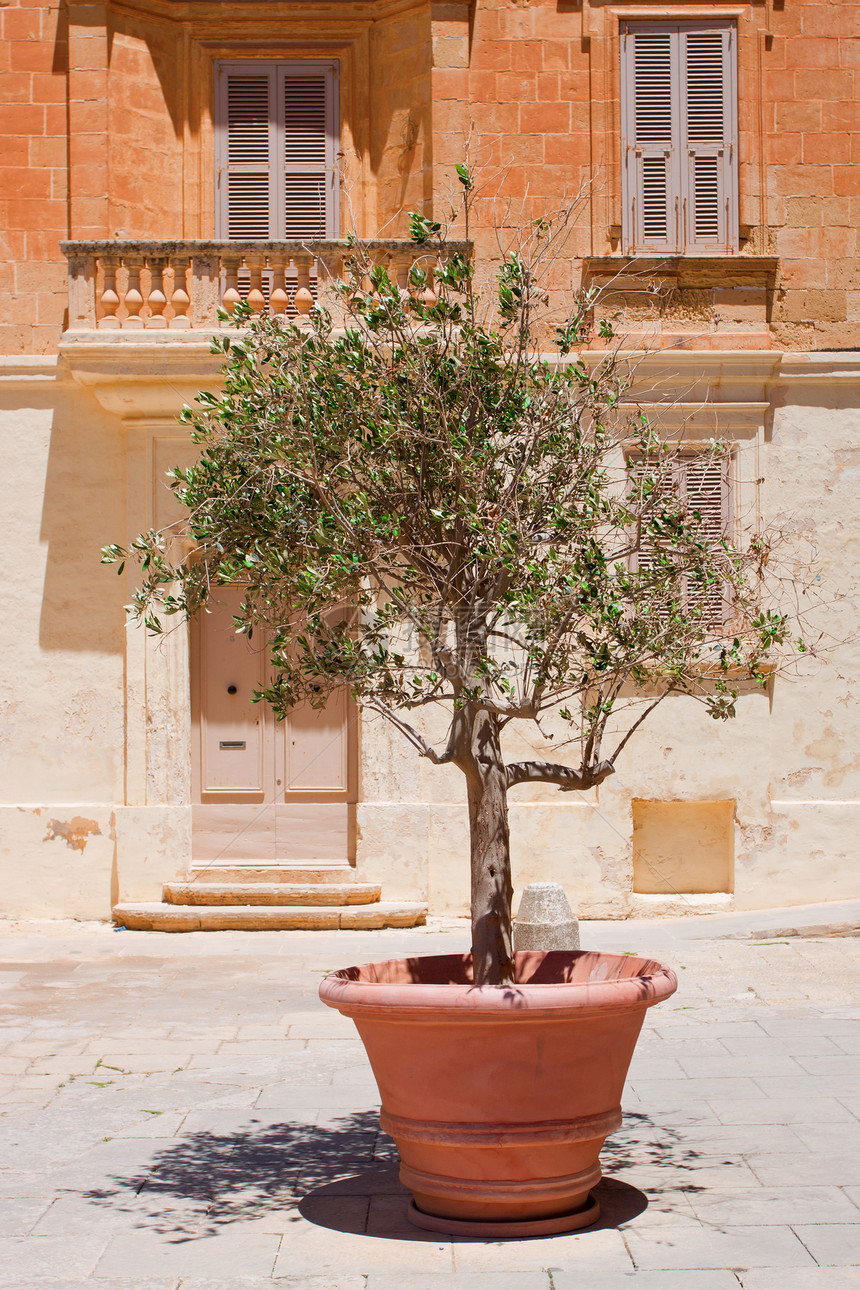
343 1176
84 507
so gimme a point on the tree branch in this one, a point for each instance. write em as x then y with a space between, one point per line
568 779
417 740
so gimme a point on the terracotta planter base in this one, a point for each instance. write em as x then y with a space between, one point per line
501 1231
499 1098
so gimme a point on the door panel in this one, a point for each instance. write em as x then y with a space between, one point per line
315 831
235 747
233 833
317 749
265 791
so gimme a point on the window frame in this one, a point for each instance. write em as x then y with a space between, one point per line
678 463
680 156
274 69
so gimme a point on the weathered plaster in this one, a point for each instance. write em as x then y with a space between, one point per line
93 710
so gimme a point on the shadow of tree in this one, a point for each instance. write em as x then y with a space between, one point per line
203 1181
641 1142
342 1175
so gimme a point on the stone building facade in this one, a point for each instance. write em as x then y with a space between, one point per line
159 153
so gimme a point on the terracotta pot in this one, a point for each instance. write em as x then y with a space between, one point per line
500 1098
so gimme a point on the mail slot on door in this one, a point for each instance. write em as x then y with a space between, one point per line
231 743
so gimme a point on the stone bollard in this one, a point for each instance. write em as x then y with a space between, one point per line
545 920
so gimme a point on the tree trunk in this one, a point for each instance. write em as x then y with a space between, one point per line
492 892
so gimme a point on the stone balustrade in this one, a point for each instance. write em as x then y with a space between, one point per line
149 285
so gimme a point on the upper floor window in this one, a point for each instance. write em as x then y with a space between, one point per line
276 130
679 136
697 483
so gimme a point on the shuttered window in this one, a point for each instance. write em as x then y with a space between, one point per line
277 142
700 481
679 136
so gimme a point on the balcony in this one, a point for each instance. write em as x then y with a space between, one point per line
130 286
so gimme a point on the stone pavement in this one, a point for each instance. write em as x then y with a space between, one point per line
181 1113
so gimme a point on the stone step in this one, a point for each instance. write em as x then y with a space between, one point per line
161 917
301 873
270 893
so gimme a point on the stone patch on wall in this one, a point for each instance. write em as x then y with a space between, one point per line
683 847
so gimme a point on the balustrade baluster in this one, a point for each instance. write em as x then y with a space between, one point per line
231 297
256 299
156 299
179 298
303 300
109 299
429 296
133 299
399 266
279 301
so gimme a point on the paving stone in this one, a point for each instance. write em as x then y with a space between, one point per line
747 1140
22 1260
299 1098
832 1244
464 1281
691 1176
741 1247
311 1249
781 1110
824 1138
588 1253
672 1092
781 1205
760 1066
845 1064
809 1085
128 1282
838 1169
651 1068
721 1279
19 1214
72 1213
800 1279
267 1283
230 1253
156 1124
801 1045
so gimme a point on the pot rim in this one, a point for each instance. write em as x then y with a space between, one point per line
353 994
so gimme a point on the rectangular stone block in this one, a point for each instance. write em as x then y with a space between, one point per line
739 1247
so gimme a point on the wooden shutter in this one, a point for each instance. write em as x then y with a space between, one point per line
308 156
276 139
708 137
245 135
650 85
700 481
706 491
679 129
649 556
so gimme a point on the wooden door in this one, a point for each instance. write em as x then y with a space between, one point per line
266 792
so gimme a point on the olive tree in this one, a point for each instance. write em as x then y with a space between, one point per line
448 500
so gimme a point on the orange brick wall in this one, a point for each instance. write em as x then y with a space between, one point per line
401 156
33 175
536 94
146 117
813 153
101 134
